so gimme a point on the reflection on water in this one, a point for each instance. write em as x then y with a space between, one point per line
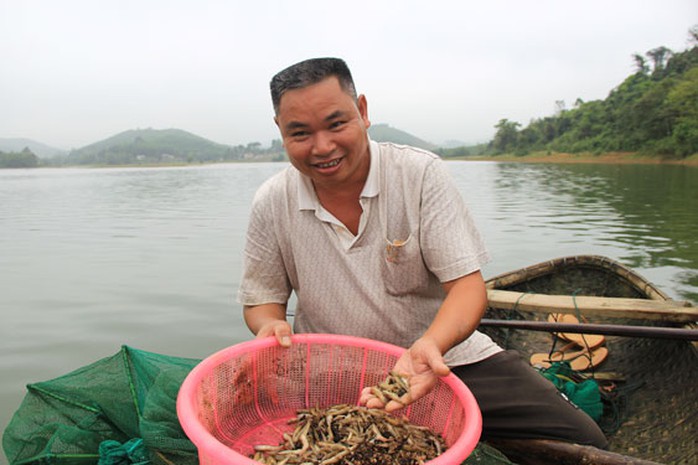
641 215
95 258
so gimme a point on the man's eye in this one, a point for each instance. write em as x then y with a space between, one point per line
299 134
337 124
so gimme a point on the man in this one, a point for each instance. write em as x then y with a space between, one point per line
376 241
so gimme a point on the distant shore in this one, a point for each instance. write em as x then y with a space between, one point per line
624 158
620 158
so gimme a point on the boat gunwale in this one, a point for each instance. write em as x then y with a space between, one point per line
654 305
601 262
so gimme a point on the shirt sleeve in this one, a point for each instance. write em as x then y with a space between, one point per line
264 279
452 246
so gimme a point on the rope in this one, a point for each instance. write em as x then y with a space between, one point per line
615 401
126 359
578 314
509 316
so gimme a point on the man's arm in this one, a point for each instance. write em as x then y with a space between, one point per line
460 313
269 320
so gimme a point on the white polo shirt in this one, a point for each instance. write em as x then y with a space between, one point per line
384 283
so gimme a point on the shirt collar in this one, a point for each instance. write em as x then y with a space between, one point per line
307 199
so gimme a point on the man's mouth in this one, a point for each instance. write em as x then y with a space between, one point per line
329 164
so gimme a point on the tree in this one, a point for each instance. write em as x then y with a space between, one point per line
659 56
277 146
506 136
680 105
23 159
253 147
641 63
693 35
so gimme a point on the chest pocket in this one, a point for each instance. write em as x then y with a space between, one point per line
403 268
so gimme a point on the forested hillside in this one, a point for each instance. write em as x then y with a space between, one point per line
654 111
24 159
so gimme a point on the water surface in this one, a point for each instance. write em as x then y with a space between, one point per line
91 259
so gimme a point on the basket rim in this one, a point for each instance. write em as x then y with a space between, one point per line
202 438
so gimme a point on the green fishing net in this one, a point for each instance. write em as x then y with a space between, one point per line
120 410
125 403
582 392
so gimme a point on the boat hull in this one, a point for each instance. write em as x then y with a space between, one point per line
656 378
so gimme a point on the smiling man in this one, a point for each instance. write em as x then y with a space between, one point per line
376 241
323 128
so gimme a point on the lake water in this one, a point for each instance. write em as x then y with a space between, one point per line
91 259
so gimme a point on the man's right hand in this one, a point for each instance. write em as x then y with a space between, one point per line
269 320
281 330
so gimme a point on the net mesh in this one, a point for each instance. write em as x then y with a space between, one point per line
131 394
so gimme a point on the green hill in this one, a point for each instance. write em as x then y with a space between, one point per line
385 133
153 146
19 144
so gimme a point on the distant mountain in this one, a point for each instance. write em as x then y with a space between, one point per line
175 146
143 146
16 145
385 133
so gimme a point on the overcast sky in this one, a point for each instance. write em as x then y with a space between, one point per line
75 72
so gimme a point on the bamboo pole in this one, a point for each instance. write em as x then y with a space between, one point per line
591 328
644 309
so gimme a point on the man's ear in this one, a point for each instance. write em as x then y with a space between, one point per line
276 121
362 104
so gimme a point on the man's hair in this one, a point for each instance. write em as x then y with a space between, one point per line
309 72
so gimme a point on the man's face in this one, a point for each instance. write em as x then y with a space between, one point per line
324 133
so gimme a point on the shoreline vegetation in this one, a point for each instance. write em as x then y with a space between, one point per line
619 158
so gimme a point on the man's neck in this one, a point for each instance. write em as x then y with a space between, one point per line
343 204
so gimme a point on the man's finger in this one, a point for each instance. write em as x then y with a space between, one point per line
283 336
374 402
394 405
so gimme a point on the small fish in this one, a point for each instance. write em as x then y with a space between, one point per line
352 435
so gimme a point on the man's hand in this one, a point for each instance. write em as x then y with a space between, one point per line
422 365
269 320
281 330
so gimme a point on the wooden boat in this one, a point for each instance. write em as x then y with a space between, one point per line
651 361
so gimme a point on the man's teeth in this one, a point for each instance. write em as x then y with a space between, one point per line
329 164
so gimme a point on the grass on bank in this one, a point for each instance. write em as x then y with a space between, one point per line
606 158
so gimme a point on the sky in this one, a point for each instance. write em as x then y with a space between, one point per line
73 72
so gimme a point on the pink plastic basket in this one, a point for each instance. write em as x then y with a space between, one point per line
244 395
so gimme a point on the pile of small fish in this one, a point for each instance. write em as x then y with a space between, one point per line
353 435
393 388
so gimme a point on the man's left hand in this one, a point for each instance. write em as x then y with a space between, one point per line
422 365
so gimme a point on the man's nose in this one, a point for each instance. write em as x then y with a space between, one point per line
323 143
